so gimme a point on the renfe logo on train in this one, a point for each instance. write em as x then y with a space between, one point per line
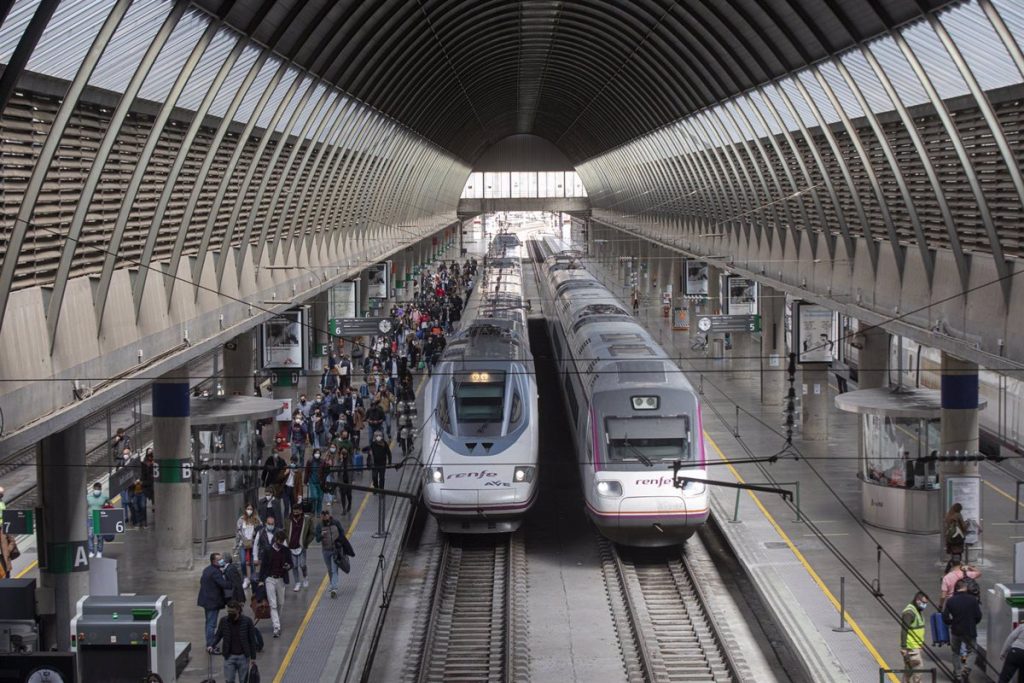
660 481
473 475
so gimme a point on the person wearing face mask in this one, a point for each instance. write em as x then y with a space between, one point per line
380 458
274 565
128 495
146 475
264 537
315 474
94 501
298 436
237 633
270 506
293 486
245 537
299 534
912 636
214 589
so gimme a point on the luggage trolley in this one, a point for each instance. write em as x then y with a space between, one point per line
123 638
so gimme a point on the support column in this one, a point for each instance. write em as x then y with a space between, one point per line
172 446
240 364
873 358
743 358
773 346
959 411
814 403
64 579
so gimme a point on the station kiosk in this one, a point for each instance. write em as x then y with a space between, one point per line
123 638
898 427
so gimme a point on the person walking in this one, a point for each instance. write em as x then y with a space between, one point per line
963 614
955 530
298 435
94 501
912 637
274 566
238 634
148 481
375 417
316 472
380 459
1013 653
213 588
331 538
234 576
270 506
956 574
299 532
343 473
245 537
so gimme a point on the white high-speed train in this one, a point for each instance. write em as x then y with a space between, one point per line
480 442
633 412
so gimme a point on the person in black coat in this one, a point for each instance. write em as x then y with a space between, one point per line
237 634
963 614
380 458
213 589
234 576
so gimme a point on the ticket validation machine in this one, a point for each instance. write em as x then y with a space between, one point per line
1005 611
123 638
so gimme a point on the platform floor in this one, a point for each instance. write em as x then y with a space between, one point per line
802 563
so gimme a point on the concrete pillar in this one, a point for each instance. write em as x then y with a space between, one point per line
959 409
64 579
772 304
240 364
872 358
743 358
172 446
814 401
714 306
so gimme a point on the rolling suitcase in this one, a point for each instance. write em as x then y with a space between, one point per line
211 679
940 631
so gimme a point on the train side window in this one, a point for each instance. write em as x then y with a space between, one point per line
573 406
442 413
516 413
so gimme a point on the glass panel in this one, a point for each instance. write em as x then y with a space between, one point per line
504 185
479 400
639 443
490 185
515 184
130 42
532 178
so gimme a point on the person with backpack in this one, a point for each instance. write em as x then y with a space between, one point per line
963 614
964 572
955 531
332 541
238 634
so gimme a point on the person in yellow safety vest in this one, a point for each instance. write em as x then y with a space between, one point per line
912 637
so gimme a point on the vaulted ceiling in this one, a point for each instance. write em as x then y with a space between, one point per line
587 75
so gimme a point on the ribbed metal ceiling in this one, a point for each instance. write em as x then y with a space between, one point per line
587 75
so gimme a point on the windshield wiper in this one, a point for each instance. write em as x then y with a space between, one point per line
639 456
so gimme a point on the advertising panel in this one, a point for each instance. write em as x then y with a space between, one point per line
742 296
283 341
344 300
377 281
696 278
816 334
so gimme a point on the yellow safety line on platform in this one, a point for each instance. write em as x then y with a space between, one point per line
1001 492
803 560
27 569
316 601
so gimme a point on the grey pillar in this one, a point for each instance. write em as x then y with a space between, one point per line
240 364
959 410
873 358
172 446
814 401
743 358
64 579
774 357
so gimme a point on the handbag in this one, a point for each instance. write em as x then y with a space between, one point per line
12 548
254 673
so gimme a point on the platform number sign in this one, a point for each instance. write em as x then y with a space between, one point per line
19 522
173 471
107 522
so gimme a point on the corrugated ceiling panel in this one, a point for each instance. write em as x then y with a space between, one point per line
259 84
980 45
841 89
14 26
797 101
290 105
343 112
234 80
68 36
307 110
898 70
130 42
767 95
821 100
172 57
275 100
868 83
199 84
937 63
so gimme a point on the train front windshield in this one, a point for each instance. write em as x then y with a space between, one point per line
639 443
480 402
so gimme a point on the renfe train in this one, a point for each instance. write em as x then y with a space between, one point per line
633 412
480 441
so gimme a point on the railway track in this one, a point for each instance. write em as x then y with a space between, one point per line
472 625
660 613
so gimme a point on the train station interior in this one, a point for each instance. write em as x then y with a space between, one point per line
564 340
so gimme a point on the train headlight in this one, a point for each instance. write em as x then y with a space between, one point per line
524 475
435 475
610 489
695 488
